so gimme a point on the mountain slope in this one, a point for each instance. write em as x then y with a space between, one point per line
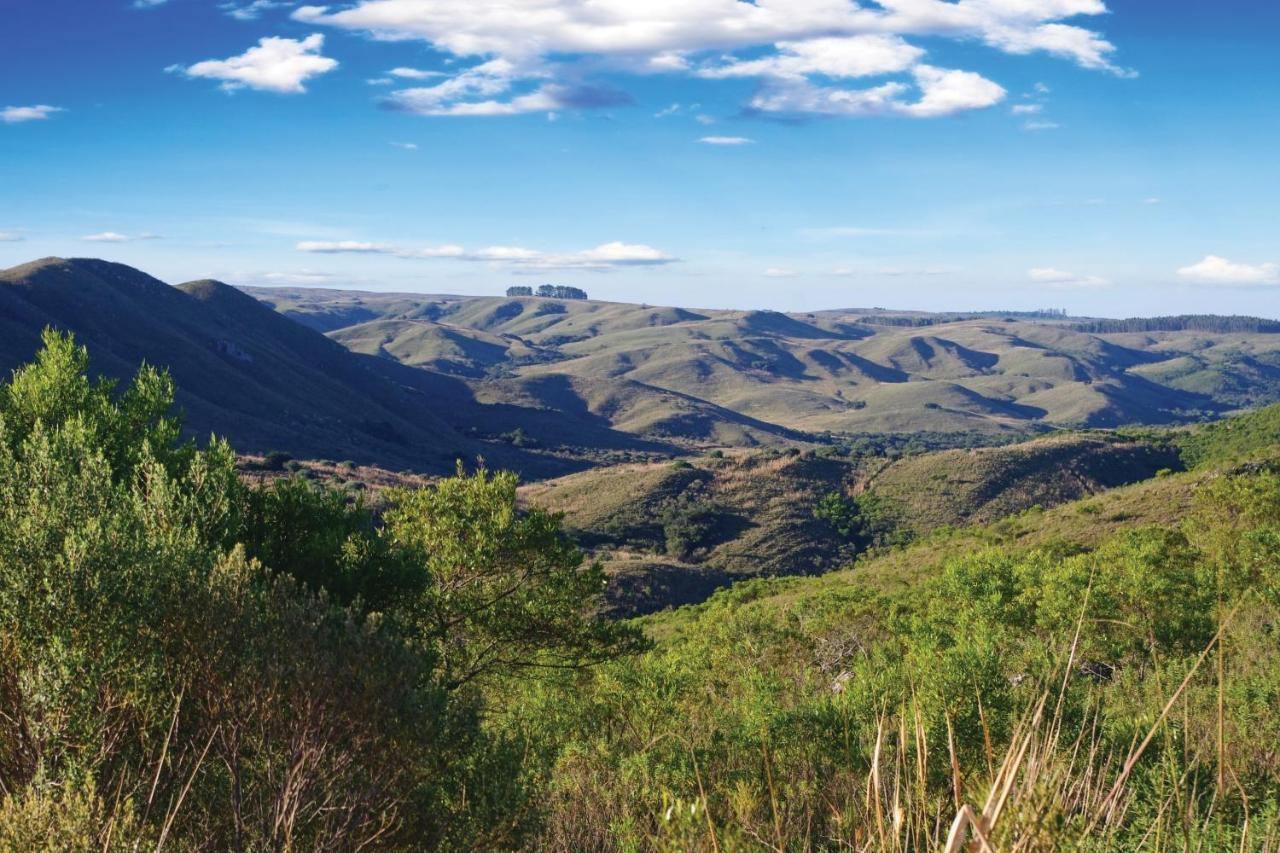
244 371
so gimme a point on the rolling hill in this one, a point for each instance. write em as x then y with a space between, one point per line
844 372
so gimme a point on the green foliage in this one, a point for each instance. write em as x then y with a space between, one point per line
505 591
799 715
184 658
865 520
1230 439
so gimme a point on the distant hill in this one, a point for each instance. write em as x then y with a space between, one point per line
844 372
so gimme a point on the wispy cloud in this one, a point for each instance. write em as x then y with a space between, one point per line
415 74
405 146
603 257
251 11
276 65
11 237
1066 280
115 237
17 115
780 272
1040 125
1218 270
726 140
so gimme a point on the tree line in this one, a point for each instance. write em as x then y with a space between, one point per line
1181 323
548 291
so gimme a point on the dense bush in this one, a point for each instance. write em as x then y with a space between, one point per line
185 659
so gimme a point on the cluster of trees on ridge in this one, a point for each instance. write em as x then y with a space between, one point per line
548 291
1215 323
190 662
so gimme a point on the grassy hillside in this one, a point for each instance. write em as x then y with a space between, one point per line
833 371
955 487
1231 439
670 533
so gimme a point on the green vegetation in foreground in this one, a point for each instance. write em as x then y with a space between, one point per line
187 661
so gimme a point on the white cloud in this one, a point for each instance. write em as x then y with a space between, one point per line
275 65
1218 270
10 237
405 146
17 115
251 11
726 140
1153 200
1026 109
603 257
415 73
1061 279
114 237
945 92
806 43
1040 125
780 272
941 92
851 56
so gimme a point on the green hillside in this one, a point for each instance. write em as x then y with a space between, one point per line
669 534
841 372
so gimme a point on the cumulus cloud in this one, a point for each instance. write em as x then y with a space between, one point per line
276 65
1218 270
603 257
17 115
1062 279
795 47
114 237
726 140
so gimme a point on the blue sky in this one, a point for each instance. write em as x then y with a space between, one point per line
1113 159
